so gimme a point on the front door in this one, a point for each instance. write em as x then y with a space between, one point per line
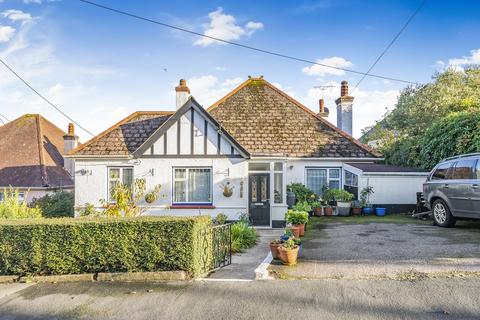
259 198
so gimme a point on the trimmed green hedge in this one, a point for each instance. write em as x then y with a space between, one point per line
86 245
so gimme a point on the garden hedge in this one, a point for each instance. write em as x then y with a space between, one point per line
87 245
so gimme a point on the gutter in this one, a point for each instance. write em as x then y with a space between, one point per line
419 174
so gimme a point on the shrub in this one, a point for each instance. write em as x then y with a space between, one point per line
338 195
303 206
89 245
11 208
302 193
243 236
126 200
296 217
58 204
220 219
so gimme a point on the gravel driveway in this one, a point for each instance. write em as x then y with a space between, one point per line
404 250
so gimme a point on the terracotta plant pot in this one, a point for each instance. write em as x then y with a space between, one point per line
274 250
328 211
318 211
302 229
296 231
356 211
288 256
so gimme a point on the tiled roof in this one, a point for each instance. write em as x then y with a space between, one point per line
378 167
123 138
31 154
266 121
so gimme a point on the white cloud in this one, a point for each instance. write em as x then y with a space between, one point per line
460 63
17 15
224 26
221 69
209 89
318 70
368 106
32 1
6 33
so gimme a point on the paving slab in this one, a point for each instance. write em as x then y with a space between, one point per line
244 264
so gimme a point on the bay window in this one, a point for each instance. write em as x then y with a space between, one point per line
192 186
318 178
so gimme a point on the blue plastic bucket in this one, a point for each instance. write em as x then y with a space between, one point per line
380 212
367 210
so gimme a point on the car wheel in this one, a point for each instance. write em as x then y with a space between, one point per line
442 215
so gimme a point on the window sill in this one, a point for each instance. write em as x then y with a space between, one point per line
192 206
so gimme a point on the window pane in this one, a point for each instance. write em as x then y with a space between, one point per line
278 188
179 193
278 166
351 179
254 190
21 196
334 174
1 196
478 170
127 176
463 169
316 179
199 185
255 166
111 186
334 184
441 172
263 189
180 173
114 173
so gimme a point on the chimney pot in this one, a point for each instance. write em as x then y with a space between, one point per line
71 129
344 89
182 93
322 105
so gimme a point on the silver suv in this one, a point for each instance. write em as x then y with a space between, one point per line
452 189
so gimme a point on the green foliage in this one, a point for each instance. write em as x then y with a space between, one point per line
303 206
296 217
126 200
153 195
11 208
90 211
432 119
302 193
56 205
338 195
315 204
220 219
243 236
365 196
289 244
89 245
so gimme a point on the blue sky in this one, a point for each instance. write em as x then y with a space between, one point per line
100 67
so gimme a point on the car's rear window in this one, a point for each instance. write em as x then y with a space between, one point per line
464 169
478 170
441 171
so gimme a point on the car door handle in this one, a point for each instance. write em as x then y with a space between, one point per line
475 186
446 186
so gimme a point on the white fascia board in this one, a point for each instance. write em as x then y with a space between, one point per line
417 174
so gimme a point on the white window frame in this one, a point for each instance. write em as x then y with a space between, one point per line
187 202
284 189
121 168
339 179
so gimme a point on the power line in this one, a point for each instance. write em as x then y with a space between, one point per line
390 44
239 44
2 116
45 99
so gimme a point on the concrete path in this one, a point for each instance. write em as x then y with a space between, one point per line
435 299
244 264
7 289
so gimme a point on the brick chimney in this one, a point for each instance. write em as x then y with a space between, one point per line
70 142
182 93
344 110
322 111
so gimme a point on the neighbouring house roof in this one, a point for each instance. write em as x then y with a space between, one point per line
268 122
31 154
126 136
377 167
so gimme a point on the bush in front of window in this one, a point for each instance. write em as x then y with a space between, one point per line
56 205
302 193
125 200
13 208
72 246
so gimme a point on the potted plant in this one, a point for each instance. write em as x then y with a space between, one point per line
329 198
343 199
274 248
297 219
317 208
152 196
227 190
356 208
287 234
302 206
365 199
288 252
328 210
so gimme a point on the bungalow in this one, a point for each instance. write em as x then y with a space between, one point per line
237 156
31 157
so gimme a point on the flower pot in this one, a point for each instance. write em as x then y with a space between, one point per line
274 250
380 212
367 210
302 229
343 208
288 256
328 211
356 211
318 211
296 231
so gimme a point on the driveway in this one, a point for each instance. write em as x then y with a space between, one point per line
398 248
